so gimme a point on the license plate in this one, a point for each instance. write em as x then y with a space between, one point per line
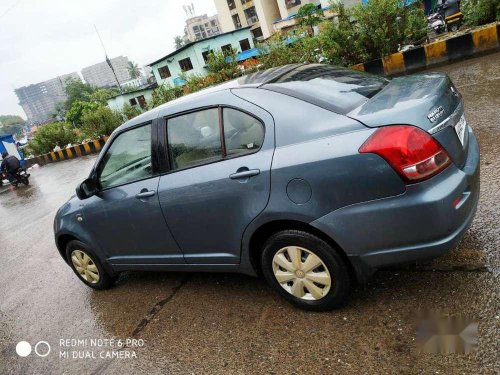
460 129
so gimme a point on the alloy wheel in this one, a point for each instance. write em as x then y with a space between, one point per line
85 266
301 273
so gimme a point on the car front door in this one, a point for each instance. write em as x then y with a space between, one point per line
125 216
219 179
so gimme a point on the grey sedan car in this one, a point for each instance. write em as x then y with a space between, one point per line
312 175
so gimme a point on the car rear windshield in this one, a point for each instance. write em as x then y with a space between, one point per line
331 87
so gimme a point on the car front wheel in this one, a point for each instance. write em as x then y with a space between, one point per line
87 266
305 270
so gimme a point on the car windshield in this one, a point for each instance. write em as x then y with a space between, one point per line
334 88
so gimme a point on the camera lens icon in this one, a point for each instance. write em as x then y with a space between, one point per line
23 348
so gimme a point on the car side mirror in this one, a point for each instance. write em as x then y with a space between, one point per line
87 189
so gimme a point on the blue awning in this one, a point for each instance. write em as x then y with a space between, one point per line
179 81
245 55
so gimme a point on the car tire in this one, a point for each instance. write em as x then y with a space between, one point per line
328 280
87 266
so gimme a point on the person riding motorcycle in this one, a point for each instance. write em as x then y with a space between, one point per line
10 164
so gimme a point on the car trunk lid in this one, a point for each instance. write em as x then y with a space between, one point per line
428 101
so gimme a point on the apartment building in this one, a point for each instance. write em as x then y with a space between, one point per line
259 15
201 27
39 100
101 75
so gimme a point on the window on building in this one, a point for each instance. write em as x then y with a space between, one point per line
132 101
205 55
186 64
257 33
245 45
194 139
251 15
231 4
292 3
164 72
142 101
237 21
227 50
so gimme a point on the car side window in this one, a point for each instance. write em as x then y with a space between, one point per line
194 138
243 133
128 159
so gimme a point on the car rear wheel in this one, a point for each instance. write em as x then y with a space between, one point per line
305 270
87 266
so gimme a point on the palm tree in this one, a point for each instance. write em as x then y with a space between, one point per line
133 70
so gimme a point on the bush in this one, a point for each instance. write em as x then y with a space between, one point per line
100 122
49 136
384 25
302 49
480 12
341 41
130 112
165 93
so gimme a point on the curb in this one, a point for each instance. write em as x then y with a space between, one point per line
436 53
72 152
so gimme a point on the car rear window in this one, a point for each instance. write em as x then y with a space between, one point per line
331 87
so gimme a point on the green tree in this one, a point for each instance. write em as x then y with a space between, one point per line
130 112
178 42
480 12
59 112
49 136
310 15
101 96
77 90
165 93
133 70
75 114
99 122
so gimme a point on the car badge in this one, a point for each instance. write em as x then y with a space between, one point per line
435 114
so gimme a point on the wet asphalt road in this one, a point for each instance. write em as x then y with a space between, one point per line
218 323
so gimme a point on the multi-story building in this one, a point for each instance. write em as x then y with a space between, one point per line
201 27
101 75
193 57
258 14
39 100
266 16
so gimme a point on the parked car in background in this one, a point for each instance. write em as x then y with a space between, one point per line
312 175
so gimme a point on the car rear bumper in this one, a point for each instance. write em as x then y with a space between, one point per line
422 223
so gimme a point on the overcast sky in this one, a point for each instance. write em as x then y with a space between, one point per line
41 39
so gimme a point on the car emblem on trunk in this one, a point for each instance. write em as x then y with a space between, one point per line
435 114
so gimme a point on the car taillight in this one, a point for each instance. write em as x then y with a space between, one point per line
413 153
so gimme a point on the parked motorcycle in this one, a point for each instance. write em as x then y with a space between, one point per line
21 177
447 17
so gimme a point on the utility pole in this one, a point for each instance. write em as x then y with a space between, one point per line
108 60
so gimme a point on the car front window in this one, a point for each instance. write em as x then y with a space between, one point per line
128 159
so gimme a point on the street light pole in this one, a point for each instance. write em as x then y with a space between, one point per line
108 61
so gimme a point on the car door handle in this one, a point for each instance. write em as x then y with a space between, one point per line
145 194
244 173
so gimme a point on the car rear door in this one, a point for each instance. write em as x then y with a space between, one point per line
219 180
